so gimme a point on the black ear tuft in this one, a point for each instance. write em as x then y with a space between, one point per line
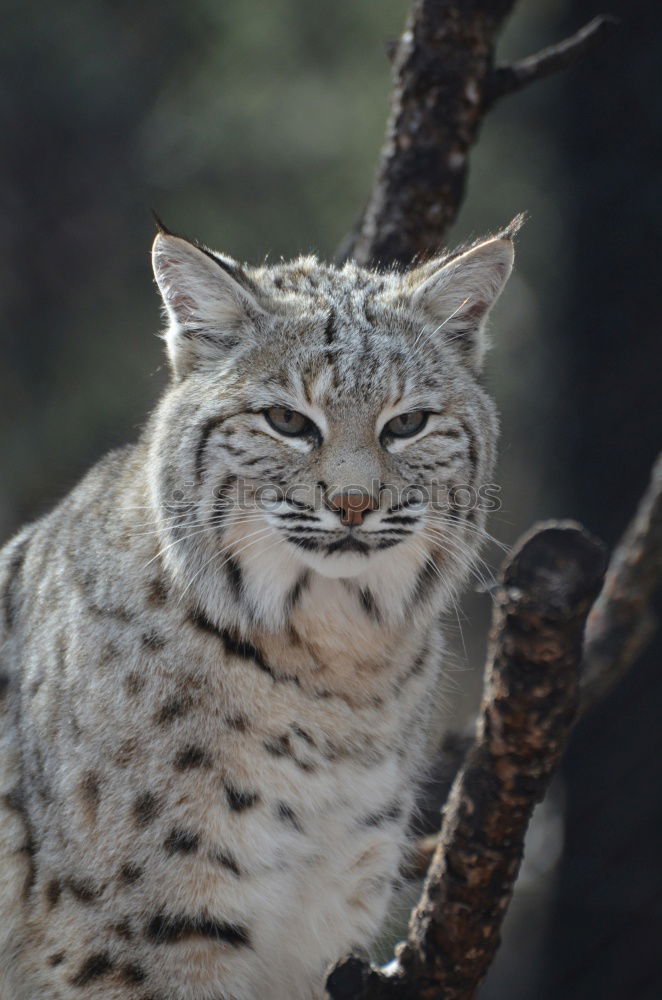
231 267
209 301
161 226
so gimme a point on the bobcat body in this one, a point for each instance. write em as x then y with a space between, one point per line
214 700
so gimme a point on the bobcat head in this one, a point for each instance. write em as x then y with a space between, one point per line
325 420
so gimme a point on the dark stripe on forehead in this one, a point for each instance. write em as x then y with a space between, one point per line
332 356
368 312
330 328
307 394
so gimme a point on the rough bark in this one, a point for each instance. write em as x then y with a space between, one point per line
529 704
441 67
444 81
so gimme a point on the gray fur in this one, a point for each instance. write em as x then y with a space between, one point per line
212 716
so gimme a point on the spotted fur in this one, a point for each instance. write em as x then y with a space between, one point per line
213 708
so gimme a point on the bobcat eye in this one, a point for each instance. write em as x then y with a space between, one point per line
288 422
406 424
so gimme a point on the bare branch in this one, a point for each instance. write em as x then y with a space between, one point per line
508 79
441 67
621 622
443 84
531 696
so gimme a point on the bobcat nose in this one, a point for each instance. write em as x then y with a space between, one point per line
352 505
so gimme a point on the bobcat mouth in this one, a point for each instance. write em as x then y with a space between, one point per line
350 543
345 556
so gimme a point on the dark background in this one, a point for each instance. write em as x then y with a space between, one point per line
254 126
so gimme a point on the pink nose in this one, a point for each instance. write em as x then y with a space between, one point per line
352 504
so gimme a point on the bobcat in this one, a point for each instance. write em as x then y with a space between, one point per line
219 652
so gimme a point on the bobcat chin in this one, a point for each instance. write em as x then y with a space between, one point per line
218 654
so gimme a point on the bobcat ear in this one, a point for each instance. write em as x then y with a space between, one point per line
207 298
456 297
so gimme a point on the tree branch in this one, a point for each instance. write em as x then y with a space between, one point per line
530 700
441 67
444 82
531 697
508 79
621 622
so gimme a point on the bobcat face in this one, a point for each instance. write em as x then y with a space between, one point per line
326 419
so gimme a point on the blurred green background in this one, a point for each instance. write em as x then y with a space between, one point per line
254 127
